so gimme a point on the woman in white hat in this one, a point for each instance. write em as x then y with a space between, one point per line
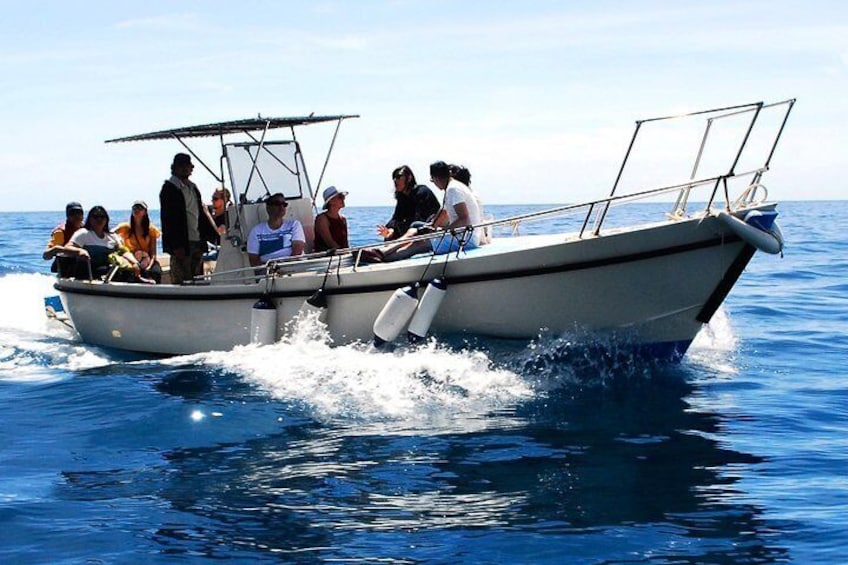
330 225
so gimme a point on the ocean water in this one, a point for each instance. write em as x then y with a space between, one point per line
551 451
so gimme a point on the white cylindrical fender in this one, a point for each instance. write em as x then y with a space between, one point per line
766 241
426 310
395 315
263 322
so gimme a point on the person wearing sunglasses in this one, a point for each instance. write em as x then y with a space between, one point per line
104 249
186 223
220 201
278 237
140 237
331 225
413 203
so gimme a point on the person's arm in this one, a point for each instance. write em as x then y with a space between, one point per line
253 247
74 247
57 245
54 245
462 216
390 229
151 247
385 231
298 239
440 218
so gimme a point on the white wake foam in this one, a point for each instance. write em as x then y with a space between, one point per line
33 348
430 382
715 345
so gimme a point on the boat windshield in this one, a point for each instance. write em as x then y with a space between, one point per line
278 167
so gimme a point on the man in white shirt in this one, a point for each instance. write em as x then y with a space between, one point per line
276 238
460 209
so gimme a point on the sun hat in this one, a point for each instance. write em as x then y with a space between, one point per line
141 203
331 192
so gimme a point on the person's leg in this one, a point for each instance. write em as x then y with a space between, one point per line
198 248
180 269
154 271
406 250
444 244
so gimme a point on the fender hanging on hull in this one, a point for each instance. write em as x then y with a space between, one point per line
759 229
395 315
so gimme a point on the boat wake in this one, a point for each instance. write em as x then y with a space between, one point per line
429 382
442 384
33 348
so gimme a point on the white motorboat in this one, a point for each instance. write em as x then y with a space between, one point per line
653 285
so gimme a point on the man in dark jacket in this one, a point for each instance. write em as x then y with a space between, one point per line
415 203
186 224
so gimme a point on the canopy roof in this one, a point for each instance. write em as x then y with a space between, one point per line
237 126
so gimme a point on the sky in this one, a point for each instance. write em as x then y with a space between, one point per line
537 98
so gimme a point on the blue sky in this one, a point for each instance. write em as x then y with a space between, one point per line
537 98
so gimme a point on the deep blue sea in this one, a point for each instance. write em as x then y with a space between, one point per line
552 451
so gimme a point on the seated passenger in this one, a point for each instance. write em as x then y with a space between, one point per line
218 210
104 249
140 237
461 209
59 249
276 238
415 203
330 225
460 173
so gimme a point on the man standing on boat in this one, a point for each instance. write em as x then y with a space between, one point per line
186 224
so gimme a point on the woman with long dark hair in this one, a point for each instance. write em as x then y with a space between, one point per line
140 237
104 248
415 203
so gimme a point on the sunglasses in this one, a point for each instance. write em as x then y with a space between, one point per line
98 216
277 203
137 208
217 198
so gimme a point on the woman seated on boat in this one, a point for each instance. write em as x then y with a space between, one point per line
105 250
218 210
461 209
330 225
414 203
463 175
140 237
277 238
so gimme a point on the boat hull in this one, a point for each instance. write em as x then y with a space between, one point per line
654 286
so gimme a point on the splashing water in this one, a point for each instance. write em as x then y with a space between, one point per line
32 348
429 382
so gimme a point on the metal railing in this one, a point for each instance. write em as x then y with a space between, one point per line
319 262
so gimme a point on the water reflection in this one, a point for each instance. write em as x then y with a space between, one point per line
624 458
